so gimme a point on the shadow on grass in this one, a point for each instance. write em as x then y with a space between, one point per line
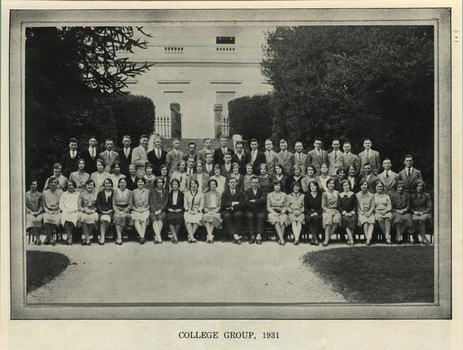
42 267
377 274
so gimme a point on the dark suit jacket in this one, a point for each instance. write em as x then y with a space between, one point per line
90 163
69 165
223 172
210 173
125 161
179 204
260 205
314 159
227 200
218 155
410 181
131 185
371 183
157 162
260 158
102 204
241 162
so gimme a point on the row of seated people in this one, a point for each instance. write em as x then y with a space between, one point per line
210 207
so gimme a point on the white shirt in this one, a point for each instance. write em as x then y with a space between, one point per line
92 152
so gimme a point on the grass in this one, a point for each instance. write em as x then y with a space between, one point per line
379 274
42 267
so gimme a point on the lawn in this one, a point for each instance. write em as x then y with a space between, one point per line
380 274
42 267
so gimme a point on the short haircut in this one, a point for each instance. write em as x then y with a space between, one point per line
294 184
362 181
269 140
353 166
199 162
191 158
109 139
194 181
366 139
318 139
89 181
191 144
347 182
175 180
387 159
335 139
108 179
160 178
224 137
366 164
91 137
276 182
254 177
239 143
116 163
329 180
80 160
296 167
52 178
140 178
74 140
311 166
408 156
420 182
232 179
228 153
119 182
163 166
235 164
144 136
263 165
57 166
70 181
216 166
207 139
254 140
175 139
210 181
126 137
295 144
283 141
149 165
347 142
338 170
315 183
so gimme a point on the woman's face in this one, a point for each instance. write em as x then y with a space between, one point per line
149 170
297 171
342 174
263 170
352 171
90 186
235 169
175 185
122 184
181 166
310 171
159 183
108 185
313 188
132 170
364 186
216 171
54 184
277 187
140 184
199 168
81 165
212 186
296 188
33 185
117 169
330 184
99 167
379 187
324 169
71 187
57 172
164 171
249 170
278 170
419 188
194 185
400 188
346 187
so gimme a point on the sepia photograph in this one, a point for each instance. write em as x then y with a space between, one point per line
230 164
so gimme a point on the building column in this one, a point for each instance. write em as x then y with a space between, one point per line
218 108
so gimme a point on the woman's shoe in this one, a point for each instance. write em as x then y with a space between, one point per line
259 241
351 243
425 242
388 241
316 243
119 241
368 243
325 243
175 241
142 240
38 242
296 242
100 243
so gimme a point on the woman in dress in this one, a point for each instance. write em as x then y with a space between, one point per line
401 216
140 208
182 176
80 177
104 206
248 177
280 176
347 206
122 205
383 211
175 203
309 178
353 179
132 178
69 206
324 177
340 177
100 175
158 204
236 174
62 180
87 211
264 179
149 176
194 204
421 208
295 205
296 177
313 210
116 168
212 217
50 208
34 211
221 180
331 215
366 204
276 207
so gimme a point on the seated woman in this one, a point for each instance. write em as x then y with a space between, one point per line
366 204
50 208
280 176
295 205
34 211
158 204
248 177
122 205
69 206
62 180
104 206
149 176
221 180
116 174
194 204
296 177
80 177
309 178
401 216
212 217
87 211
140 208
421 208
340 177
132 178
182 176
347 206
264 179
276 207
383 211
324 177
99 175
313 210
175 209
236 174
353 179
331 215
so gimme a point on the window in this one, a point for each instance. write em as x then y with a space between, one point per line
225 40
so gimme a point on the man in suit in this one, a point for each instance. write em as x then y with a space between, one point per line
349 159
270 157
369 156
90 155
335 160
370 178
109 156
317 156
206 150
240 157
157 156
201 177
208 167
69 160
300 159
285 158
174 157
232 207
219 153
140 155
190 166
388 177
125 155
255 201
227 167
191 152
255 157
409 176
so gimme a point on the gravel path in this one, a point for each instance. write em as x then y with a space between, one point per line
222 272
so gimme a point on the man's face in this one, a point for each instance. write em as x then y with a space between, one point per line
227 158
268 145
209 158
73 146
254 183
387 164
157 143
298 147
408 162
254 145
109 145
239 148
367 144
317 144
335 145
232 183
126 142
347 147
192 149
92 142
367 169
191 162
283 146
144 142
223 142
177 144
207 144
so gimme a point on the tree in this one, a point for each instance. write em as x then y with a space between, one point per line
355 82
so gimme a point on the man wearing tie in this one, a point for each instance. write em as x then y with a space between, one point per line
90 155
206 150
209 165
219 153
285 158
69 160
226 168
388 177
255 157
270 157
349 159
409 176
125 155
256 213
369 156
300 159
174 157
240 158
232 210
370 178
191 152
317 156
109 156
190 166
157 156
335 160
140 156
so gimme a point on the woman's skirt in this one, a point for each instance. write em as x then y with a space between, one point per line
175 218
158 217
331 217
364 220
74 218
141 217
34 221
402 219
383 216
89 218
106 217
277 218
314 220
52 218
122 219
193 218
292 218
213 218
349 222
424 217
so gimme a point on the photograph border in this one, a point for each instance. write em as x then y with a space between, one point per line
440 309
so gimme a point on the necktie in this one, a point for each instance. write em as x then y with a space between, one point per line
335 155
409 171
93 152
126 152
157 153
368 155
233 193
319 153
73 154
387 174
